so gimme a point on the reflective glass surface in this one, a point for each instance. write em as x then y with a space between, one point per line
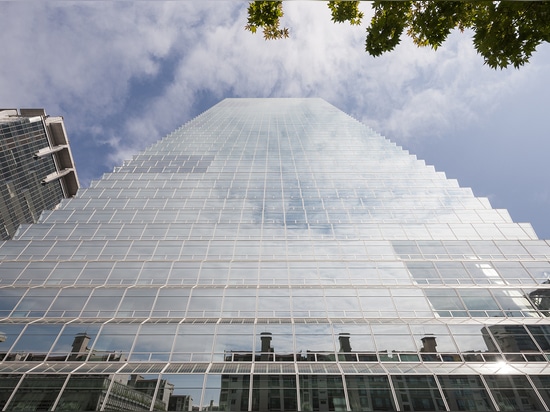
275 254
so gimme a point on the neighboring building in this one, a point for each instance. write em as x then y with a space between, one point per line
36 167
275 254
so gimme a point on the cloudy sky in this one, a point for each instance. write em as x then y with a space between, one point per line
124 74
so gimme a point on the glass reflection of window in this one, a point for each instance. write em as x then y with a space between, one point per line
187 391
9 299
424 273
234 340
322 392
239 302
479 302
418 393
540 271
342 303
7 385
274 302
513 273
83 393
282 338
37 392
465 393
137 302
154 273
94 273
314 338
213 394
514 303
446 302
411 303
392 338
205 302
453 273
115 340
74 342
541 334
184 273
269 393
36 302
69 302
35 342
154 342
9 333
513 393
171 303
542 383
308 302
377 303
369 393
213 273
193 342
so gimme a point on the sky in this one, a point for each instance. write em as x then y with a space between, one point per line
124 74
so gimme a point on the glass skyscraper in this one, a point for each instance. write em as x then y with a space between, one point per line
275 254
36 167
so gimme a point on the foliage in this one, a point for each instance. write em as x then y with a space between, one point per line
344 10
504 32
266 14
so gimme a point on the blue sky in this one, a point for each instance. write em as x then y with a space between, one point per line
124 74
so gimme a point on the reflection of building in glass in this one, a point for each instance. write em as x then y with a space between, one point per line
36 167
274 254
541 299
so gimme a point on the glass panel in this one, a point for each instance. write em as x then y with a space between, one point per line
512 338
542 383
171 302
7 385
37 393
369 393
137 302
69 302
446 302
134 392
8 299
239 303
187 391
35 342
541 333
154 342
103 303
205 302
84 393
513 393
194 342
322 393
465 393
541 300
274 302
36 302
269 393
214 395
418 393
75 342
115 340
311 338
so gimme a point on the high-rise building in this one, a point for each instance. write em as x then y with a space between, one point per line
36 167
275 254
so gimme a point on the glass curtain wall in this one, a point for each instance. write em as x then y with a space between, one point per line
275 254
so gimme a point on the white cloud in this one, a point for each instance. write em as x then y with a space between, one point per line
87 60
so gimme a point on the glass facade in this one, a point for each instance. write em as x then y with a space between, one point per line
275 254
36 167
